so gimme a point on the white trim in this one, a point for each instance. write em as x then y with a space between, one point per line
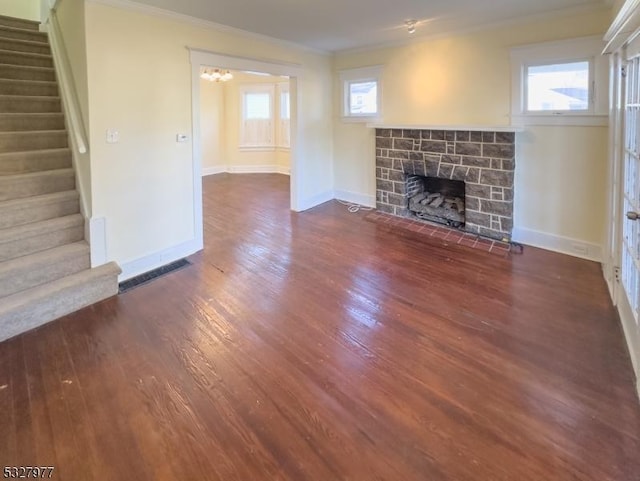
209 25
472 128
562 119
96 235
556 243
220 169
355 198
316 200
631 333
623 26
147 263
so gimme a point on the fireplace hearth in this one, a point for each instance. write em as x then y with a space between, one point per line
482 161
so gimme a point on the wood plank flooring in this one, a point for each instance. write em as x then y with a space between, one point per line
319 346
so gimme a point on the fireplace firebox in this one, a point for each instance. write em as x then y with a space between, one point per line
437 200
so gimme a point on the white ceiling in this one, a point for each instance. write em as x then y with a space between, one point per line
334 25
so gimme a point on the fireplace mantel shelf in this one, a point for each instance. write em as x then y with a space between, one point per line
470 128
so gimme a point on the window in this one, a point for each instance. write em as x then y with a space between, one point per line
257 126
560 83
284 117
559 87
361 93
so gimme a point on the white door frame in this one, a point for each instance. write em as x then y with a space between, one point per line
205 58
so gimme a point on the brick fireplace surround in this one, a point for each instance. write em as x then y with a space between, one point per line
484 160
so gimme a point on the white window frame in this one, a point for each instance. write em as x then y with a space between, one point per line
270 144
360 75
281 143
566 51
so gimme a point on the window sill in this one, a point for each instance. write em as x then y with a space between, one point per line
257 148
578 120
364 119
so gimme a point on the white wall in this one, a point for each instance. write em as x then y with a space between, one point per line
27 9
465 79
212 127
140 84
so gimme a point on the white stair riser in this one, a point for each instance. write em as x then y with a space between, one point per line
25 162
23 247
35 275
39 185
16 216
26 141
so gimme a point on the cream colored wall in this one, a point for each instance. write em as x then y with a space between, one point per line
70 15
140 85
28 9
236 158
466 80
212 125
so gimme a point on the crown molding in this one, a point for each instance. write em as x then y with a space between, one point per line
602 7
206 24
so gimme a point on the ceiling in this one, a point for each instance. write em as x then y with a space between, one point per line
333 25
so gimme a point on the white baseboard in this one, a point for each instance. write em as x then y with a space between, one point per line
355 198
564 245
218 169
315 200
631 333
158 259
246 169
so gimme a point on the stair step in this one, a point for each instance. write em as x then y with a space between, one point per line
23 72
28 59
34 307
23 34
39 236
29 104
18 45
36 269
28 87
22 23
37 183
39 121
18 212
19 163
33 140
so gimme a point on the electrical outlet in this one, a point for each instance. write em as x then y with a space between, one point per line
580 249
182 138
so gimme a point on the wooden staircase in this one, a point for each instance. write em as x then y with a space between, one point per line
45 269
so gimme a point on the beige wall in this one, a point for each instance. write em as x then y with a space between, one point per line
140 84
212 125
28 9
466 80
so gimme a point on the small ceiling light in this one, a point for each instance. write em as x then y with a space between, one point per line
411 26
216 75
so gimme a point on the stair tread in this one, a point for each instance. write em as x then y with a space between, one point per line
31 114
13 133
36 152
27 201
19 81
29 97
28 67
40 173
39 228
51 288
26 54
21 41
18 29
54 254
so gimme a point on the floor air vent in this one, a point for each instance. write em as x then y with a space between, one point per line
151 275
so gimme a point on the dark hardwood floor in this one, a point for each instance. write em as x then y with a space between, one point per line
319 346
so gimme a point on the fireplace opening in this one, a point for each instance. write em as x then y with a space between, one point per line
437 200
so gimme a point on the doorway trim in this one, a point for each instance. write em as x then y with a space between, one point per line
206 58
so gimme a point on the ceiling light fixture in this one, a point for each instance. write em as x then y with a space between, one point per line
216 75
411 26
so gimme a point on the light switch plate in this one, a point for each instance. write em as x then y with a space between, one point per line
113 136
182 138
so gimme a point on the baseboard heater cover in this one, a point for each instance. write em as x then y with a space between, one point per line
151 275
